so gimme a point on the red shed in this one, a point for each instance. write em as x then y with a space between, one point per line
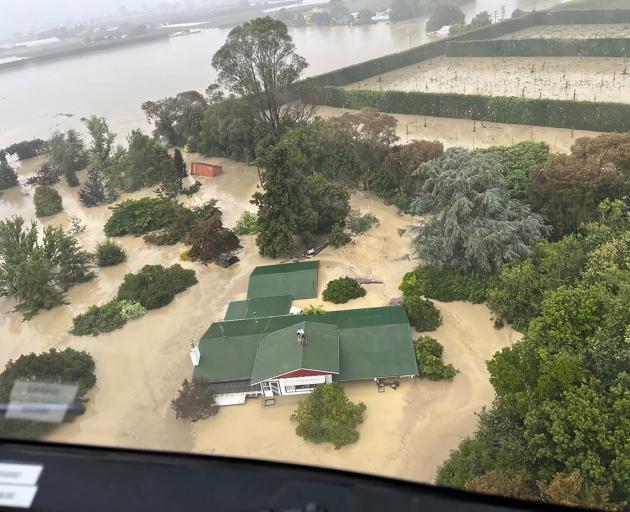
203 169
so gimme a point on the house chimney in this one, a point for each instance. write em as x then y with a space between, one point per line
300 336
195 355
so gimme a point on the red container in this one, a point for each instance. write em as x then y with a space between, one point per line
203 169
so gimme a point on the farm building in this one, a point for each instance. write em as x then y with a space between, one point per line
296 279
260 349
203 169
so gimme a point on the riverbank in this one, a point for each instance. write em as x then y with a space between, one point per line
139 368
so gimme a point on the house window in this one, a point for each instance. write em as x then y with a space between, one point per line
299 388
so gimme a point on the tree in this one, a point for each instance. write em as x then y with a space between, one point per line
338 11
210 239
229 129
495 483
257 63
8 176
329 200
422 313
328 416
429 359
102 137
481 19
365 17
518 161
177 119
180 164
171 184
363 139
445 14
279 206
145 163
195 400
109 253
343 289
247 224
517 13
338 236
46 175
66 366
27 148
47 201
155 286
67 155
571 490
63 252
25 273
95 191
567 190
445 284
476 225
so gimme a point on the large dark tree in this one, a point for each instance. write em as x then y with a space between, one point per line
8 176
475 224
177 119
73 264
258 62
279 206
210 239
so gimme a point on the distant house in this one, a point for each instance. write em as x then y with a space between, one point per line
260 349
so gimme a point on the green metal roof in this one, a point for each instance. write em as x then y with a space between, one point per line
280 352
296 279
258 308
373 342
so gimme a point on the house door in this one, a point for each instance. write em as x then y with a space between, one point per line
271 388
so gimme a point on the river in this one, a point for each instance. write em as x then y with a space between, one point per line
36 100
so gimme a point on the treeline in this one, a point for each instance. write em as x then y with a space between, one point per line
579 115
546 240
559 47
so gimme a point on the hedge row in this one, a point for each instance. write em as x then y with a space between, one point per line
540 48
363 70
580 115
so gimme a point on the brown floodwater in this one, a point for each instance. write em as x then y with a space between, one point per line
406 433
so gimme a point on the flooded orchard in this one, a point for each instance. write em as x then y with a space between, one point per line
558 78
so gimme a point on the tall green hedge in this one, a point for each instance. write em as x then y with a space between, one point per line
597 116
600 47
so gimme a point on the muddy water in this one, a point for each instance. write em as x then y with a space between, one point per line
559 78
139 368
472 135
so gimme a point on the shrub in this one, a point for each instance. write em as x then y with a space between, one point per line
156 286
140 216
46 175
338 236
67 366
27 148
47 201
162 221
422 313
210 239
131 310
98 319
358 223
109 253
312 309
247 224
193 189
446 284
429 358
195 401
342 290
8 176
328 416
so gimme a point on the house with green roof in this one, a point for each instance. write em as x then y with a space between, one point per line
261 349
